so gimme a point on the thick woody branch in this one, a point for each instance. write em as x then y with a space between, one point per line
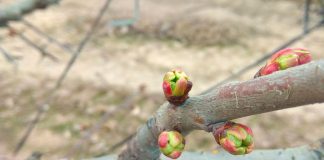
313 151
16 10
284 89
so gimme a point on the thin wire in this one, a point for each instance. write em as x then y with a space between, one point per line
42 108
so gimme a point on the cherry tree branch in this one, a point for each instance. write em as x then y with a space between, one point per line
284 89
313 151
16 10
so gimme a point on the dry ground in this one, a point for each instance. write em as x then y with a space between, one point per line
208 39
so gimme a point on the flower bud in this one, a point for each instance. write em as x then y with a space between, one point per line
235 138
176 86
171 144
284 59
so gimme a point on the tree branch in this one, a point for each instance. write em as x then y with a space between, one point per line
290 88
309 152
16 10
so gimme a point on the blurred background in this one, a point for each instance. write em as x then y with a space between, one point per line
119 73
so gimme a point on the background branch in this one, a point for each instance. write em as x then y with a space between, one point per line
41 50
45 35
128 104
290 88
15 11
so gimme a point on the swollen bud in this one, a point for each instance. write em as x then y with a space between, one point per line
284 59
171 144
235 138
176 86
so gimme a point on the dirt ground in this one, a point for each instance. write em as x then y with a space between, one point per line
208 39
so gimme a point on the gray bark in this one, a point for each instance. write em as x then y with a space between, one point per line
284 89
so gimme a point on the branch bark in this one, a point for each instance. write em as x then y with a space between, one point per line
290 88
15 11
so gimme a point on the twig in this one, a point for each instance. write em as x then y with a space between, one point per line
41 50
306 15
127 104
48 37
122 142
41 109
8 57
84 41
29 42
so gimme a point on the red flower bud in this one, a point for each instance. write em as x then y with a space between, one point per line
284 59
176 86
171 144
235 138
